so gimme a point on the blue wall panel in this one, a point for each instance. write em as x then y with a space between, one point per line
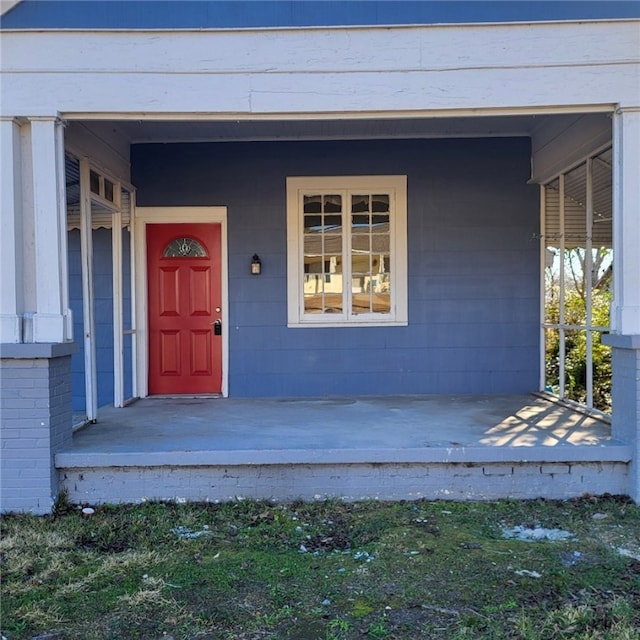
78 393
473 264
103 300
127 313
179 14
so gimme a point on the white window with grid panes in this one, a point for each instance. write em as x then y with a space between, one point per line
347 251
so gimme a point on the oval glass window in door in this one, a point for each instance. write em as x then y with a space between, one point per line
184 248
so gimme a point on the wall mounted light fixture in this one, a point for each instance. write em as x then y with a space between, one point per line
256 265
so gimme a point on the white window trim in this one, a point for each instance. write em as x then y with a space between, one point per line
396 187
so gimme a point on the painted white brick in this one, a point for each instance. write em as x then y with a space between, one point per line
498 470
19 425
347 481
18 402
15 463
555 468
36 420
37 432
41 457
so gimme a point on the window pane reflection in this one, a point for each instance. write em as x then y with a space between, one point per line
323 248
364 303
370 255
347 253
380 202
322 301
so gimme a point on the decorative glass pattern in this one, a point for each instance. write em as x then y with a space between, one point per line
184 248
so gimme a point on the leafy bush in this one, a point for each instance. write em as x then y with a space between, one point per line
576 349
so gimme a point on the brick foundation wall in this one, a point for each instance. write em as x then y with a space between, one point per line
625 422
626 408
35 409
626 393
346 481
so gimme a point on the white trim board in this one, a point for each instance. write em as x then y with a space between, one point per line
323 71
355 49
322 115
167 215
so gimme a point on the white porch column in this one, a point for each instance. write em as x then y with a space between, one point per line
52 317
625 336
626 221
35 402
11 297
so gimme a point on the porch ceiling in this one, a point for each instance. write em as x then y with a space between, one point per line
230 129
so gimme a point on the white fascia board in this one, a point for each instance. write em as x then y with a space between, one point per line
323 50
326 94
323 71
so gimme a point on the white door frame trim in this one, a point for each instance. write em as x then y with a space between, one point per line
167 215
88 294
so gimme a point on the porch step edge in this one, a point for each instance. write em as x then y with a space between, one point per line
587 453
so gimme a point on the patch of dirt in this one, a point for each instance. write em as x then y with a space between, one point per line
322 542
89 542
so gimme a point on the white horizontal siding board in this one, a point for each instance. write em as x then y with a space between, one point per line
462 89
43 94
213 52
324 49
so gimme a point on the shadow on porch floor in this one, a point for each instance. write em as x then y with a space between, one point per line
194 431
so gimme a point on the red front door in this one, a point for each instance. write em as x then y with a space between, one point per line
185 331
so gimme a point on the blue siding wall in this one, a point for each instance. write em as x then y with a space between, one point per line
127 313
78 393
103 297
473 264
176 14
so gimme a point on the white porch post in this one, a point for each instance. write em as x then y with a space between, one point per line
626 221
11 298
118 320
52 317
625 336
35 321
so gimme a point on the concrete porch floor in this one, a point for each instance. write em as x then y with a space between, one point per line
159 431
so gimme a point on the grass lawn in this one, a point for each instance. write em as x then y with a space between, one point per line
325 570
